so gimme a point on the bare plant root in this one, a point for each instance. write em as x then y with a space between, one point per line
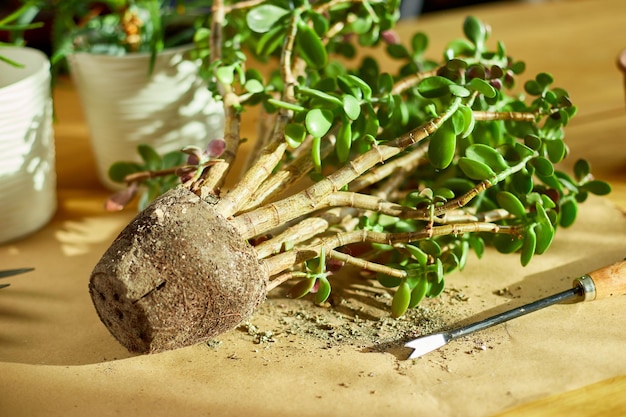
177 275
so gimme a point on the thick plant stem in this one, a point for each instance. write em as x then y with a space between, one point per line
367 265
411 81
305 230
283 261
214 177
266 218
486 116
286 176
273 152
404 163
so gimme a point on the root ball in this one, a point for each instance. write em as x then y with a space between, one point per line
177 275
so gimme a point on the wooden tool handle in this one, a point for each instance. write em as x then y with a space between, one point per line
609 280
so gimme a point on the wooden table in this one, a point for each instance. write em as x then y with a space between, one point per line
577 41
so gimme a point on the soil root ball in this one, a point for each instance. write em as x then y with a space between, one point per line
177 275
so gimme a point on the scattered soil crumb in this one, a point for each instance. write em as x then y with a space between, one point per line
507 292
357 315
214 344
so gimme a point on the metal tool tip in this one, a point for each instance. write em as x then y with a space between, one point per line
423 345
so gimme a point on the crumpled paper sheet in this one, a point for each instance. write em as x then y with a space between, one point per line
57 359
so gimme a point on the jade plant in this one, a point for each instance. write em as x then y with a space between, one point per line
402 174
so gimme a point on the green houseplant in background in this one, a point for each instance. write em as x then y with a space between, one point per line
129 60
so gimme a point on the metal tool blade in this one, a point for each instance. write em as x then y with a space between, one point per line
11 272
425 344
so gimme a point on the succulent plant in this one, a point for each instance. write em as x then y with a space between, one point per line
403 175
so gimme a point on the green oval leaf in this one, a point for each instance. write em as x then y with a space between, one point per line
555 149
397 51
431 247
351 107
433 87
522 182
459 91
597 187
436 288
173 159
511 203
420 256
533 88
262 18
475 31
321 95
544 230
358 83
475 170
581 169
385 83
401 300
459 47
388 281
419 43
119 170
463 121
225 74
478 245
533 142
319 121
323 290
442 146
505 243
344 141
544 79
542 166
487 155
483 87
362 24
529 246
150 157
294 134
568 213
270 41
418 292
310 46
316 153
301 288
254 86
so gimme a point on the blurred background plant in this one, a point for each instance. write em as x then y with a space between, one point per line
114 27
14 25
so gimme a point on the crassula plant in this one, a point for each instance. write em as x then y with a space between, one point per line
402 175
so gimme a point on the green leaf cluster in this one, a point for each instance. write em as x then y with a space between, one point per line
314 280
486 154
484 132
150 161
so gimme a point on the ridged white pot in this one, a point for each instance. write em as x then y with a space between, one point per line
125 105
27 159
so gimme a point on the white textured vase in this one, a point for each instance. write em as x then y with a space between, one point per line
125 105
27 170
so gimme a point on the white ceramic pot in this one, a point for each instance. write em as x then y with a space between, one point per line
125 105
27 171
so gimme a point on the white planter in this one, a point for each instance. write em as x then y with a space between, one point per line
125 105
27 171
